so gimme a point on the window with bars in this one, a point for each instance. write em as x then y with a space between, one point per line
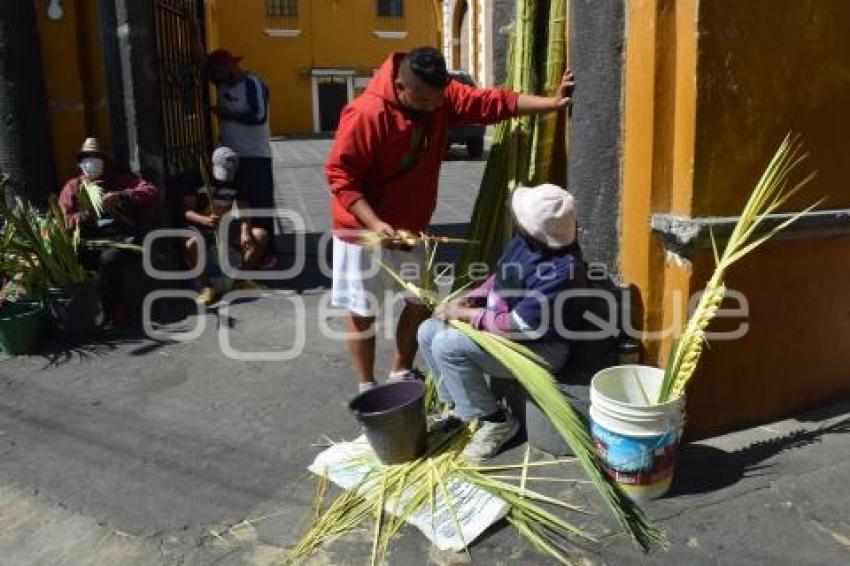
281 14
391 8
281 8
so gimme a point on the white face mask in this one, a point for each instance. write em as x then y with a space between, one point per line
92 167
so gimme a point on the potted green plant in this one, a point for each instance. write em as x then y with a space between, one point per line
44 252
20 316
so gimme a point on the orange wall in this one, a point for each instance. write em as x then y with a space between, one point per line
67 77
766 68
638 146
769 67
238 27
711 88
334 34
794 356
658 131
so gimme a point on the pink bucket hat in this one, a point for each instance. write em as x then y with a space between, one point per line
547 213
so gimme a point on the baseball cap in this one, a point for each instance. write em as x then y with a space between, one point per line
222 57
225 162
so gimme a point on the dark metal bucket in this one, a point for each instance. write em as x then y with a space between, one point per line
393 417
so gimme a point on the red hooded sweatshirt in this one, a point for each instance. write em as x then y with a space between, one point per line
383 154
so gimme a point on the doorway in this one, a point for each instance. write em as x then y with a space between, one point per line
332 90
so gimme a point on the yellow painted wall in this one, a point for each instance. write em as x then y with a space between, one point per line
711 88
336 34
658 130
766 68
67 76
794 356
769 67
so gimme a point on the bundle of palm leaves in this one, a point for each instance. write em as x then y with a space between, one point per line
545 140
771 192
92 197
407 488
523 150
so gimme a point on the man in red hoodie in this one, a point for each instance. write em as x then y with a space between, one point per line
383 173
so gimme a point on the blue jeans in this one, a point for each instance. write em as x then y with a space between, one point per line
458 366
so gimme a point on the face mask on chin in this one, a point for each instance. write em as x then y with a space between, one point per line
92 167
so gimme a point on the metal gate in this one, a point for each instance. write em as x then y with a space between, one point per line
183 91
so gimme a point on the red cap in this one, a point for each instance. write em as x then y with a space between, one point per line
222 57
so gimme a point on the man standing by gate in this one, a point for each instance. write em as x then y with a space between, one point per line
243 113
383 173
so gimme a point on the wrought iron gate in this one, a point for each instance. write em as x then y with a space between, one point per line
184 94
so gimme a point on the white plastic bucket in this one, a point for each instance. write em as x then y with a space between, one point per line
637 438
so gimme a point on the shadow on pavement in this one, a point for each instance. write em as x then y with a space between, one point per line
169 311
702 468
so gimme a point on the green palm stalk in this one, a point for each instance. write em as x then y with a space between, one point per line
205 177
525 366
524 63
522 148
771 193
91 196
544 142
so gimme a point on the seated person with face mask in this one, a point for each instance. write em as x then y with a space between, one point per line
125 198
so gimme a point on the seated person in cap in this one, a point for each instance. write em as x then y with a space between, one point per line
126 198
206 216
542 261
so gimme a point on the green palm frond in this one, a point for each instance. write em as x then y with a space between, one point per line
769 194
540 384
91 196
523 149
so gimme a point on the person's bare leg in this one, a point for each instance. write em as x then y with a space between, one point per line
251 259
406 345
361 344
190 253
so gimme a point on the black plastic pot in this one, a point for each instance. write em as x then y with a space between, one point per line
393 418
75 311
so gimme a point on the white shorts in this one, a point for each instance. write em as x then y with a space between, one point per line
360 284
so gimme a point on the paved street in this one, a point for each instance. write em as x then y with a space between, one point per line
139 451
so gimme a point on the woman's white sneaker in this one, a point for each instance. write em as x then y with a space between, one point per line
490 438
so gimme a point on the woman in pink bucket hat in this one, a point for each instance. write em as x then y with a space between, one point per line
526 298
